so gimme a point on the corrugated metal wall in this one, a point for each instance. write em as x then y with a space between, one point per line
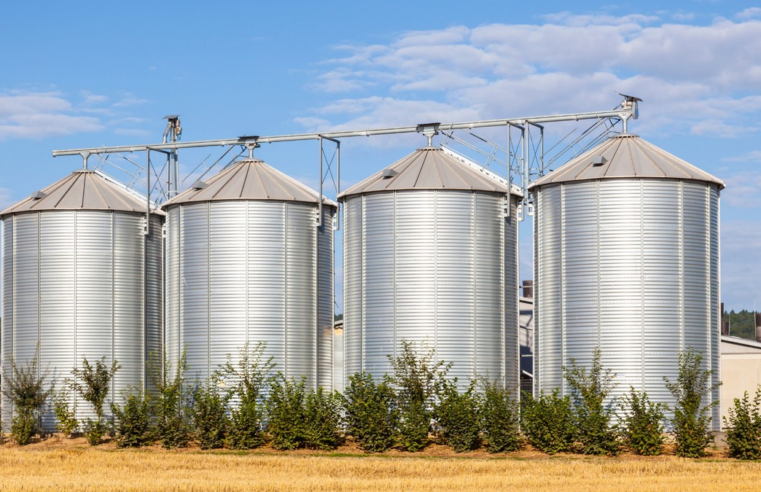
74 285
434 267
630 265
247 272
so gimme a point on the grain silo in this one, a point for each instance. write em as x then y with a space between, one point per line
430 256
626 240
247 263
81 278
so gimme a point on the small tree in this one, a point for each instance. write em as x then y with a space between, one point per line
92 383
458 416
133 421
548 422
323 420
593 417
247 381
287 412
67 421
642 423
370 413
417 379
24 386
692 419
743 427
209 416
500 418
168 403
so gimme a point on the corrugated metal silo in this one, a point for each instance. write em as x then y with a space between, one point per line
246 263
626 242
77 282
430 256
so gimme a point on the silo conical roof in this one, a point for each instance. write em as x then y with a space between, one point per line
84 189
626 156
249 179
430 168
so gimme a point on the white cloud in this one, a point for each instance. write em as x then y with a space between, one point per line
743 190
749 13
752 156
40 115
693 78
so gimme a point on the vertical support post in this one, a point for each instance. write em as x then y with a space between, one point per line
526 164
319 198
338 183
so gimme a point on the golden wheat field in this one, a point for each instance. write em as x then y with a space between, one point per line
75 466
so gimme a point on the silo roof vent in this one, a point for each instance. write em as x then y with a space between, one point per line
37 195
599 160
199 185
389 173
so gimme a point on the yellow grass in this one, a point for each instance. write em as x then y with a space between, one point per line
78 467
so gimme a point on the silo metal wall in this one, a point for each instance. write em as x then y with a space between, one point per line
631 266
247 272
431 266
74 285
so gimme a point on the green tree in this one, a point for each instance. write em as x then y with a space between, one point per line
642 423
286 410
500 418
371 415
24 386
743 427
169 406
417 379
133 420
548 422
590 387
692 419
92 383
67 421
209 414
322 412
458 416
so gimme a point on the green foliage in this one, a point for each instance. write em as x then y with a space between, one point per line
417 380
94 430
67 422
500 418
24 386
92 383
642 423
287 412
743 427
24 426
692 420
370 413
133 421
590 388
209 416
459 416
168 405
741 323
548 422
245 427
323 420
247 381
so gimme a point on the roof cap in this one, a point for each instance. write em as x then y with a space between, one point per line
248 179
626 156
83 189
431 168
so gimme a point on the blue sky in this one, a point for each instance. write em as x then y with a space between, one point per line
81 74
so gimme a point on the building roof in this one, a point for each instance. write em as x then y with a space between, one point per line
248 179
83 189
737 345
626 156
430 168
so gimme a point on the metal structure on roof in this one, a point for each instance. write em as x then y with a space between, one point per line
521 161
248 179
626 156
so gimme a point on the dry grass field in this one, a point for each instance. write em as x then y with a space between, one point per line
72 465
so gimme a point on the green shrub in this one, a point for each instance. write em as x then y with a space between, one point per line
323 420
92 383
642 423
370 413
209 416
458 417
500 418
94 430
133 421
692 420
548 422
593 418
417 380
743 427
247 381
286 410
24 386
67 422
168 404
